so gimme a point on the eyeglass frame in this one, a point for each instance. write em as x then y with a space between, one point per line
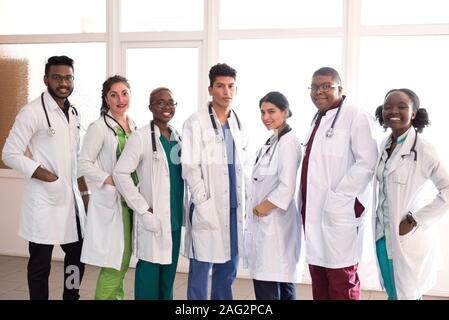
158 104
59 78
315 88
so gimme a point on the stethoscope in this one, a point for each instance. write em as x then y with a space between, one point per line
284 131
330 131
112 129
413 147
218 137
153 139
51 132
109 126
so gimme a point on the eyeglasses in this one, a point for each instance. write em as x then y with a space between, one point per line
59 78
162 104
324 87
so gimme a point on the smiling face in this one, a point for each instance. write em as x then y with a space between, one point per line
162 106
59 82
398 112
272 117
324 99
118 98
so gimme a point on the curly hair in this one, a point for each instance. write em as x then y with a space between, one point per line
421 119
221 70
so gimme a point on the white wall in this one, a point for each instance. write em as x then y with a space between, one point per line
11 185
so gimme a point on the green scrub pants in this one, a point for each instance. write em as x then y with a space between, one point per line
110 281
154 281
386 269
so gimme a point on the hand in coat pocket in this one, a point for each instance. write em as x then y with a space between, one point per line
151 223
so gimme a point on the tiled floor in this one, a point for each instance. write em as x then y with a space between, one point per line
13 283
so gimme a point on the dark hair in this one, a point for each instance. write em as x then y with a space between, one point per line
106 87
58 61
421 119
156 91
221 70
278 99
328 71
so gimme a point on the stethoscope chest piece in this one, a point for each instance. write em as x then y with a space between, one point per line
330 133
51 132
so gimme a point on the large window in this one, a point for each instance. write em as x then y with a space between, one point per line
175 68
284 65
52 17
265 14
416 63
397 12
156 15
89 74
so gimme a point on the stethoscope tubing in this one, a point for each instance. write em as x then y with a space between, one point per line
214 123
153 139
50 130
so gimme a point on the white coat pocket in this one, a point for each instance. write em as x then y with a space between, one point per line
335 146
52 192
205 216
339 210
151 223
103 204
106 196
400 175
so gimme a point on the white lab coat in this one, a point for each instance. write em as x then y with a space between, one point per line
340 170
415 255
154 192
103 241
272 243
205 170
48 214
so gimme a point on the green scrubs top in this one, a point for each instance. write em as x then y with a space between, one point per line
176 181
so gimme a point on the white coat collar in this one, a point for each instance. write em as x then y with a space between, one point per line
114 125
50 102
405 150
174 136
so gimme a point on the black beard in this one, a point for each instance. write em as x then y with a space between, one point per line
55 95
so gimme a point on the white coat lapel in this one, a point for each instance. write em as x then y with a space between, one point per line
403 152
159 149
